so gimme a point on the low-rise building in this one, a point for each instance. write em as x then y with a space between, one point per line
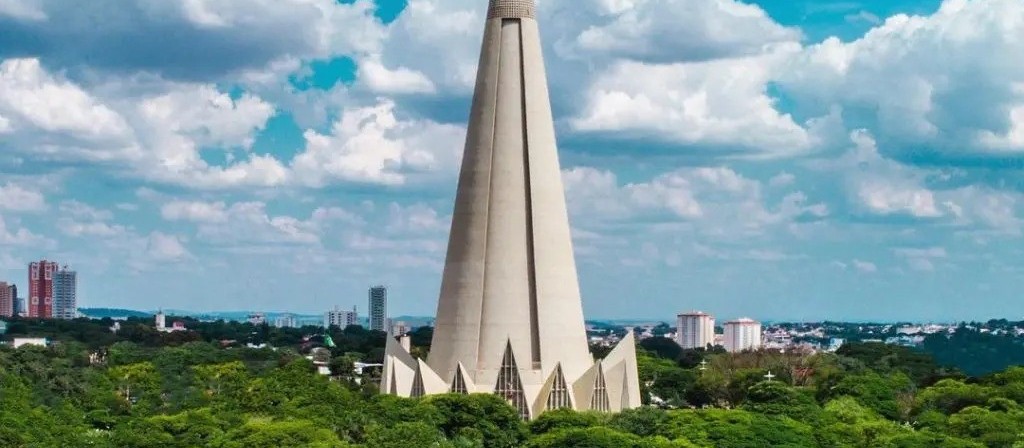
42 342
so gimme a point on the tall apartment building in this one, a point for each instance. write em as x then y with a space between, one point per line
6 301
742 334
378 308
17 302
65 294
341 318
40 288
695 329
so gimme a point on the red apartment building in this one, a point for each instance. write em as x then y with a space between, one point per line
40 288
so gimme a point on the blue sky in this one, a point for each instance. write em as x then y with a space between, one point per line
777 159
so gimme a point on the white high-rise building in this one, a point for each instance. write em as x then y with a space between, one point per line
341 318
742 334
160 320
695 329
509 315
65 294
286 321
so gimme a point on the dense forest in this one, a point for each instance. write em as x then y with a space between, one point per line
207 387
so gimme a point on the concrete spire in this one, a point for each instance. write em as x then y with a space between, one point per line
510 302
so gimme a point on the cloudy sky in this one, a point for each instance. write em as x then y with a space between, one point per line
783 159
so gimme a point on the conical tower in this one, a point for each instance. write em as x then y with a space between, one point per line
509 316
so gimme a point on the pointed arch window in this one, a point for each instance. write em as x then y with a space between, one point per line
509 386
558 398
459 383
599 401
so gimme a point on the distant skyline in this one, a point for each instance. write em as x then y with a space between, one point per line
782 160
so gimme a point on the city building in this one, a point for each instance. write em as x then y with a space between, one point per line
399 328
41 342
695 329
18 302
3 327
65 294
286 321
341 318
6 301
161 320
509 316
378 308
742 334
40 288
257 318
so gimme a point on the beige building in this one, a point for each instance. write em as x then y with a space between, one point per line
509 317
695 329
742 334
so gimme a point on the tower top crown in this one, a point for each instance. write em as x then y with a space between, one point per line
512 9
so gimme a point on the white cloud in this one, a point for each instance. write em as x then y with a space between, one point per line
721 103
380 79
866 267
887 199
373 145
782 180
30 10
438 38
16 198
415 219
904 78
165 247
206 116
21 236
233 36
921 259
244 223
723 202
83 220
884 187
678 30
35 101
195 211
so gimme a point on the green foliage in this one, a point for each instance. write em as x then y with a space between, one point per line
887 395
777 399
406 434
154 391
566 419
483 415
600 437
974 352
888 359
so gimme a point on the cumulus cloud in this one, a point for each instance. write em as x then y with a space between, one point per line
190 40
27 10
165 247
880 186
921 259
18 198
10 235
866 267
243 223
373 145
720 103
724 201
381 79
904 78
678 30
57 115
